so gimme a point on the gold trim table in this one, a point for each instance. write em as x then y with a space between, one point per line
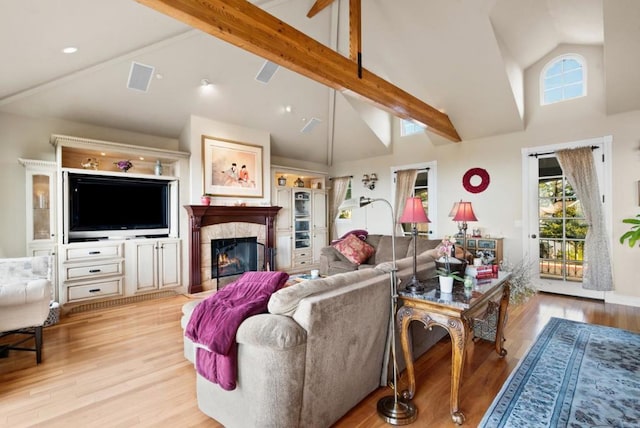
455 313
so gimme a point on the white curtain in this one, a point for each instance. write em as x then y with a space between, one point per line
405 183
337 192
580 170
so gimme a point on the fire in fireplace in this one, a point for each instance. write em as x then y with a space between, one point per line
233 256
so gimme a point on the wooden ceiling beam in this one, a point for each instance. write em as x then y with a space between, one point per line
247 26
318 6
355 31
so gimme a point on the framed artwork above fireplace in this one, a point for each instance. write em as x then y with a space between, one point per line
231 168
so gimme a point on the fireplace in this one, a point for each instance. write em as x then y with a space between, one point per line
233 256
201 216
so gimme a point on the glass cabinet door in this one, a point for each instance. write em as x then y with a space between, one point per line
41 198
302 203
302 212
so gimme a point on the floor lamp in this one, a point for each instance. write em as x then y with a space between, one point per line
414 213
393 409
464 214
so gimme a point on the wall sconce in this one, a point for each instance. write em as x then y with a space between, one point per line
369 180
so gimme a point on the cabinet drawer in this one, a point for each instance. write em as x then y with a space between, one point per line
87 253
110 287
92 270
489 244
301 254
302 263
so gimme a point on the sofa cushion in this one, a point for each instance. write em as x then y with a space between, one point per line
360 233
285 301
354 249
385 245
422 245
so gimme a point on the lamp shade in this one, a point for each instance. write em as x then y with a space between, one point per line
454 209
414 212
348 204
465 212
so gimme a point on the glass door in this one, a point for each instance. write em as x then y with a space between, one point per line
556 228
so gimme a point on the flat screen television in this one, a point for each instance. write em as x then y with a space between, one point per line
110 206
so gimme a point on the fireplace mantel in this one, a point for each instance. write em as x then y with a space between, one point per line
203 215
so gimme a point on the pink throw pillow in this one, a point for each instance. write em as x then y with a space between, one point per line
354 249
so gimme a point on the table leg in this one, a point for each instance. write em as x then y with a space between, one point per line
404 319
502 317
458 332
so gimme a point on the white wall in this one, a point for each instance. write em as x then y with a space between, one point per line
499 208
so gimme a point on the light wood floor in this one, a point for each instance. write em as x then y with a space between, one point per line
123 367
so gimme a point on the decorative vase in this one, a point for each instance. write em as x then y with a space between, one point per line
158 168
446 284
282 181
205 200
124 165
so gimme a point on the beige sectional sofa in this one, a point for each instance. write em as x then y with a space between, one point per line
333 262
321 349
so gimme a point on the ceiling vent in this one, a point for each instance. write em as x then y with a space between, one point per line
267 71
140 76
308 127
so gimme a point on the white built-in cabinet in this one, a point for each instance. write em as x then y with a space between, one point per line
154 264
108 269
301 224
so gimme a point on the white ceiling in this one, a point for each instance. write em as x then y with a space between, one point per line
448 53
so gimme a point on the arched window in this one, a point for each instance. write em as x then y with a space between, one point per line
562 79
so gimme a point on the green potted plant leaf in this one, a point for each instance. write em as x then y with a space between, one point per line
632 235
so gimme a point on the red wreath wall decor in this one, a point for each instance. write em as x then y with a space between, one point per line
484 180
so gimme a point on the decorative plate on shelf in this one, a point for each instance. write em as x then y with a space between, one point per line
480 187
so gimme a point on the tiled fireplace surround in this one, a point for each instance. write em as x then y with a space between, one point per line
215 222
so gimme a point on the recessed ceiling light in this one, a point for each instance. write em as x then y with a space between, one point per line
159 76
205 82
70 50
288 109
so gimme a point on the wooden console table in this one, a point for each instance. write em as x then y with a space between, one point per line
456 314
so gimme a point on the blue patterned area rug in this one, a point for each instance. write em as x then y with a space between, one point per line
574 375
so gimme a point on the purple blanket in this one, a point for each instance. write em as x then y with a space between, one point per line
214 322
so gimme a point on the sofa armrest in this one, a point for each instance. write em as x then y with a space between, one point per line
330 253
273 331
25 292
333 262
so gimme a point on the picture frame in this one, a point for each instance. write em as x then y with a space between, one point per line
231 168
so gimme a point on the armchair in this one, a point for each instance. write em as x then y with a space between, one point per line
25 294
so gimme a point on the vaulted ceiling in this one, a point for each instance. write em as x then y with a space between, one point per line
450 54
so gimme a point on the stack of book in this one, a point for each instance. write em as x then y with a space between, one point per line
480 272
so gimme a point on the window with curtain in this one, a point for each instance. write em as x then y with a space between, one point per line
346 214
421 190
